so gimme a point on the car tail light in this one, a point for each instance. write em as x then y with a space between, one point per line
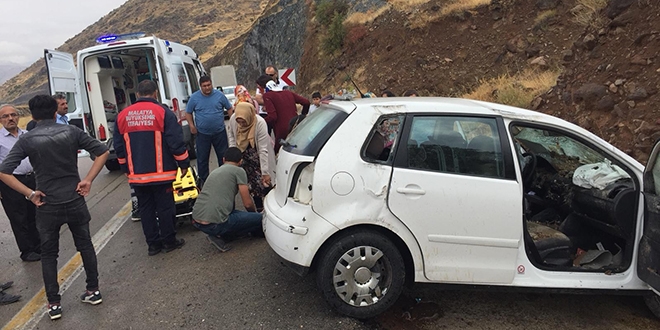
302 183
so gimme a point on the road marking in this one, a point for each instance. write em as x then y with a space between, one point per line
30 315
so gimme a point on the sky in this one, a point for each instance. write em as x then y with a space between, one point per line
30 26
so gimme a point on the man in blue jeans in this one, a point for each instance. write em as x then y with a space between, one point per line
208 106
214 212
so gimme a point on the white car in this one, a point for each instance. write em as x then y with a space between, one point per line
376 193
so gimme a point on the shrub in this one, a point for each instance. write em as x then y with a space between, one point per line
587 12
356 33
327 10
334 36
516 90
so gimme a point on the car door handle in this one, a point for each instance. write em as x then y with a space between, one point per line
410 191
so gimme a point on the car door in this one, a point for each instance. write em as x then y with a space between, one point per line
648 263
63 79
454 186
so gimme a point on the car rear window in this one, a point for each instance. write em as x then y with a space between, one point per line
311 134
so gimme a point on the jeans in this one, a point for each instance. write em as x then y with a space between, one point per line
204 142
49 219
152 200
238 224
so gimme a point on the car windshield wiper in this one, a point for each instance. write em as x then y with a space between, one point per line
286 144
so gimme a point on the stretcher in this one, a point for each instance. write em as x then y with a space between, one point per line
185 194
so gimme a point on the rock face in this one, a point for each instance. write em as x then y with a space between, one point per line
276 39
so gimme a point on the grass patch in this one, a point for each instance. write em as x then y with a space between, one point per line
544 18
587 13
516 90
462 5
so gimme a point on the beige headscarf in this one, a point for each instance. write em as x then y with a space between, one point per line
245 135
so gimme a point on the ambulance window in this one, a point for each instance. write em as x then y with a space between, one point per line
162 73
194 83
200 69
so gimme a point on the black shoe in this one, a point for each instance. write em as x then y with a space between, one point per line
155 249
91 297
135 215
5 286
177 244
219 243
54 311
6 298
31 256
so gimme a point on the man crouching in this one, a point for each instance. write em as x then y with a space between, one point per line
214 211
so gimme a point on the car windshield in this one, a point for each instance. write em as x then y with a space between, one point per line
545 142
311 134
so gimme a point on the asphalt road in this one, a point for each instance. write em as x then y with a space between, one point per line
197 287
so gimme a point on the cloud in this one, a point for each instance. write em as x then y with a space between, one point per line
24 36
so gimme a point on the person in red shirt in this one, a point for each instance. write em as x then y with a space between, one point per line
280 106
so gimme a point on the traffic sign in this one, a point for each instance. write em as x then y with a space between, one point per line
288 76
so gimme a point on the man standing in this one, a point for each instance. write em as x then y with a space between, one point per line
214 212
274 74
20 212
149 145
62 110
208 106
60 194
280 107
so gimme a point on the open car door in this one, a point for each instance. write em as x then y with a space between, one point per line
648 264
63 79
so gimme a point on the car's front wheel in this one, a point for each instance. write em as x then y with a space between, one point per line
653 303
361 274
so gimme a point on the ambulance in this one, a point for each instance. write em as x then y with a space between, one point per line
106 78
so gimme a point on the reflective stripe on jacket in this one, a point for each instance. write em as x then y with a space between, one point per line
149 143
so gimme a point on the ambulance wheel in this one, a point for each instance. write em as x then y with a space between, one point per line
112 165
192 152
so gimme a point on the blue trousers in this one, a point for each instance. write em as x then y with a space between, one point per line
204 143
238 224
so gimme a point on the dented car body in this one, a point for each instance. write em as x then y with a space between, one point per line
373 193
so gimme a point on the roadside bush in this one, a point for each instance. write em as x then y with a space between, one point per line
356 33
333 39
588 12
327 10
517 90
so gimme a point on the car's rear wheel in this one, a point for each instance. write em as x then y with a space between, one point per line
653 303
361 274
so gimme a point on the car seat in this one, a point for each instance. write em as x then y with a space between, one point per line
481 156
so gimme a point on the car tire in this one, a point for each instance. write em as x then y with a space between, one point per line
112 165
653 303
375 282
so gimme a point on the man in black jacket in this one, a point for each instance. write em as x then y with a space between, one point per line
60 194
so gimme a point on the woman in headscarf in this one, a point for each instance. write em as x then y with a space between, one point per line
242 95
249 133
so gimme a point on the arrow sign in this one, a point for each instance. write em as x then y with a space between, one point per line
288 76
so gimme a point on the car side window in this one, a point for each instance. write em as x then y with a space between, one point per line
382 140
451 144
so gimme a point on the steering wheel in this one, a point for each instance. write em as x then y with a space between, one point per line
528 171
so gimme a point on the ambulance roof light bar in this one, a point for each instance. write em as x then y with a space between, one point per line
107 38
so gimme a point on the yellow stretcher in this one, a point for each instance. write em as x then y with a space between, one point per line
185 193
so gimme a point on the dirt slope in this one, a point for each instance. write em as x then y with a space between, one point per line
412 46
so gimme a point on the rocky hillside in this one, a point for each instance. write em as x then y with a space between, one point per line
607 63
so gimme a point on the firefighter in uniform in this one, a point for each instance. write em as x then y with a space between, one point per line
149 144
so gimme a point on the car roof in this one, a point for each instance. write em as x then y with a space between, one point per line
446 105
387 105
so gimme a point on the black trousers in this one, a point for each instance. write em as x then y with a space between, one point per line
21 214
49 220
157 199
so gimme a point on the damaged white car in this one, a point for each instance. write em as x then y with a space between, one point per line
373 194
